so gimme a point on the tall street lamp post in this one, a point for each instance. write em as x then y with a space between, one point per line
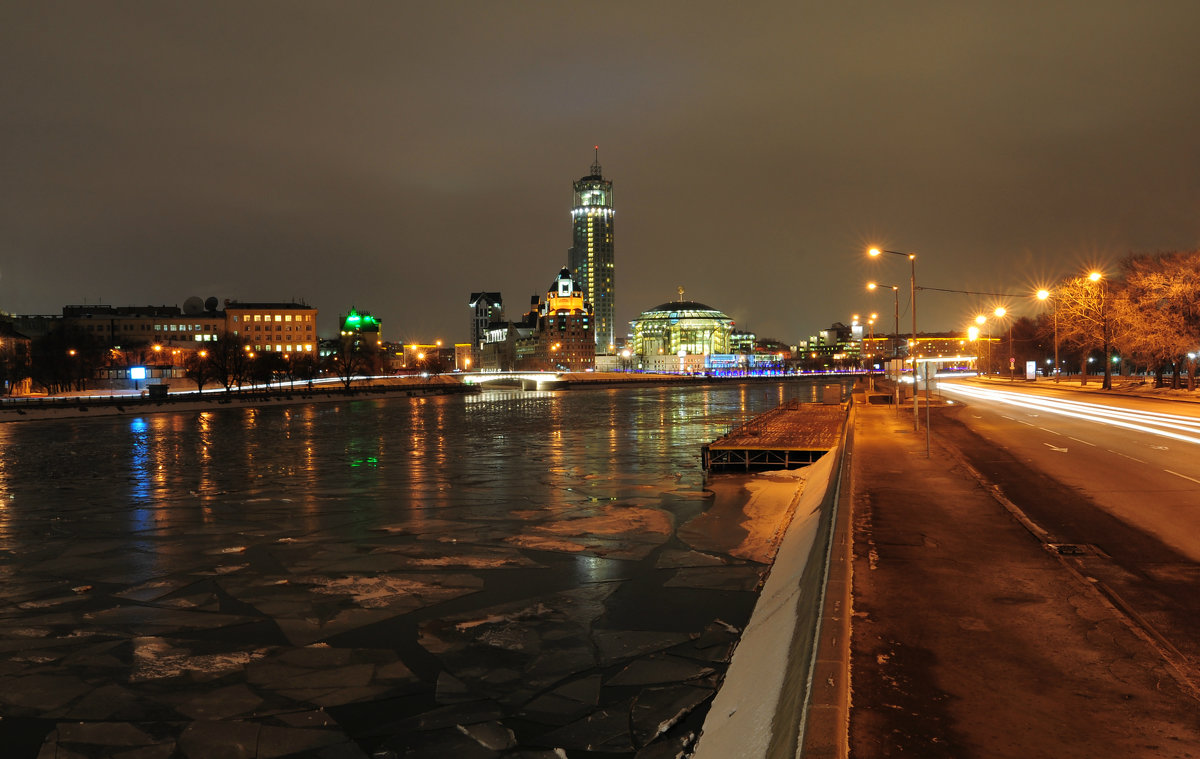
987 364
1001 313
912 257
1043 295
895 346
1098 278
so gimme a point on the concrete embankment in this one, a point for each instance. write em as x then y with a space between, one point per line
761 706
84 406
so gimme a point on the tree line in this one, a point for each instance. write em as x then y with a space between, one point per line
1145 319
68 359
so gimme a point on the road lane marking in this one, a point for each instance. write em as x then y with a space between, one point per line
1055 448
1077 440
1126 455
1052 432
1184 476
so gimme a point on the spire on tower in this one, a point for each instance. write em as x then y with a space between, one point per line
596 164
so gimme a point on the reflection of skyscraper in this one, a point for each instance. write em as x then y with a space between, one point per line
591 254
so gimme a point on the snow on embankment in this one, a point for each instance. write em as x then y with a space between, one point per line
768 675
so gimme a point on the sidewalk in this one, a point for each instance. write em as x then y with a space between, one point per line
970 639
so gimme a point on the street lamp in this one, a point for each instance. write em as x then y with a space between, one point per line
981 320
1098 278
912 257
1043 295
1001 313
872 286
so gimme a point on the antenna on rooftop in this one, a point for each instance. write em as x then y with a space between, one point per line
596 166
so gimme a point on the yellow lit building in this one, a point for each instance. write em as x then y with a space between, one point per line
278 327
666 335
564 336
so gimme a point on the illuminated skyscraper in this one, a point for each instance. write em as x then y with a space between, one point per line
591 254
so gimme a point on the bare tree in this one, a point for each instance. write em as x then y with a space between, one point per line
198 366
229 358
1157 316
14 364
1084 321
351 358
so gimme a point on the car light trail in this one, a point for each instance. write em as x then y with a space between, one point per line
1154 423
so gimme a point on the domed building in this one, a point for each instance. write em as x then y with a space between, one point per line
666 337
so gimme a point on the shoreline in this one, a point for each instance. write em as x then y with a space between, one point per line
132 403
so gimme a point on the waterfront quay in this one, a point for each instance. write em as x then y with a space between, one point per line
502 573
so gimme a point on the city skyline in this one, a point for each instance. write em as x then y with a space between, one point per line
376 157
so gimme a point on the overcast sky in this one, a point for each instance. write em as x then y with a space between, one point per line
396 156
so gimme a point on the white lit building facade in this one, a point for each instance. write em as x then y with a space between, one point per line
591 255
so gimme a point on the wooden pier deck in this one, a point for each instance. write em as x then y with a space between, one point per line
790 436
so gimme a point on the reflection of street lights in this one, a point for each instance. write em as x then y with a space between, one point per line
912 257
871 370
1043 295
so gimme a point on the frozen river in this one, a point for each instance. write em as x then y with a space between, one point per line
499 574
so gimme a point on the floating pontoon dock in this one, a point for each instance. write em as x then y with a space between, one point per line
790 436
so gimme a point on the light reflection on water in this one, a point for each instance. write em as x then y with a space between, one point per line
354 465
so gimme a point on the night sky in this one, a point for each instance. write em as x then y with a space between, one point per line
397 156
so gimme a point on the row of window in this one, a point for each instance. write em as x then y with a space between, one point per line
280 328
183 328
273 317
306 348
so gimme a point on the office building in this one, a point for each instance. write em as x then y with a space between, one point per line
591 255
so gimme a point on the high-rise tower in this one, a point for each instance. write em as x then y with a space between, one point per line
591 254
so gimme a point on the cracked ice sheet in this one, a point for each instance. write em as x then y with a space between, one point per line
512 651
390 592
616 531
748 517
158 659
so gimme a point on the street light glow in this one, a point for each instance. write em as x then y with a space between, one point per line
1043 294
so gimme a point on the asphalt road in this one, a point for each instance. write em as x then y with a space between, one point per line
1114 483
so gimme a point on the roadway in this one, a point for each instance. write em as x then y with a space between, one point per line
1111 483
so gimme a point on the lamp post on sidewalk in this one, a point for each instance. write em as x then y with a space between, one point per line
895 341
895 338
1102 288
912 257
1043 295
1002 313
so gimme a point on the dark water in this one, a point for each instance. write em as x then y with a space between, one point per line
443 576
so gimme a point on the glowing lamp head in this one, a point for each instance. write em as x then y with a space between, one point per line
973 333
1000 311
1095 276
981 319
874 252
871 285
1043 294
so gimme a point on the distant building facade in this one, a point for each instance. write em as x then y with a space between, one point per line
486 308
365 330
565 340
680 327
590 259
279 327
